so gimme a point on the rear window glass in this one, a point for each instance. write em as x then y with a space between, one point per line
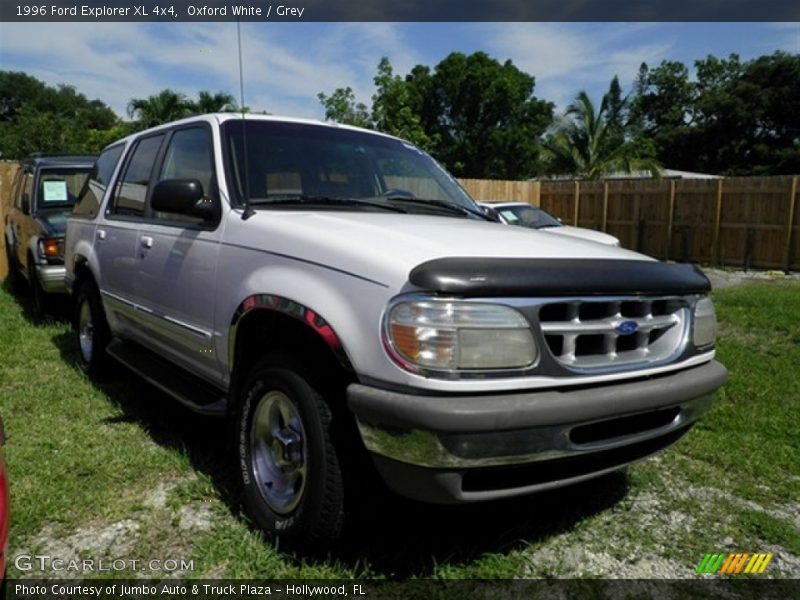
59 188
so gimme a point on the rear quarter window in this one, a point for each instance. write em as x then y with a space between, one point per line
91 196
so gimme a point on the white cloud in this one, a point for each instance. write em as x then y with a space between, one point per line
285 65
567 58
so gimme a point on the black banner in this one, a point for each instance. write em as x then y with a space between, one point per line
399 11
427 589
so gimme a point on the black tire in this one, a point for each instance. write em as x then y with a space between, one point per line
289 468
14 275
38 295
91 339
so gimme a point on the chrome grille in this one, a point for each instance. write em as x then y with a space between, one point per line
600 333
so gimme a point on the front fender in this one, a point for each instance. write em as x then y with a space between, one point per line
344 310
82 253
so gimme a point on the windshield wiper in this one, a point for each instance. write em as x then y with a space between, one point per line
456 208
326 200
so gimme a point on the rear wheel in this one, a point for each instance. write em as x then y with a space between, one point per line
289 467
90 330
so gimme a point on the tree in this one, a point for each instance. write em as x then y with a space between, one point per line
588 144
487 120
35 117
477 116
617 113
341 106
394 110
167 105
663 109
748 114
735 118
212 103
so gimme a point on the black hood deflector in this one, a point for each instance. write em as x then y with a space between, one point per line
465 276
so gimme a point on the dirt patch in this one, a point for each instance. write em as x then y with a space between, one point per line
159 530
633 539
721 278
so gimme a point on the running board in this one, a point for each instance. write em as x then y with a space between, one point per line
188 389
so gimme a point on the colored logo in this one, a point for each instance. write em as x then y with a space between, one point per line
627 327
732 564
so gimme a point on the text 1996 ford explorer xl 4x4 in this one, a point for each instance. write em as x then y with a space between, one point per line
334 290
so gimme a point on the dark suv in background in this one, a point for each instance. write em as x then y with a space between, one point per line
42 195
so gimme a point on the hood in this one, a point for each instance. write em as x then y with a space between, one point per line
385 247
54 222
586 234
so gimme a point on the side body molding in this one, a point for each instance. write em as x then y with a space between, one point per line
292 309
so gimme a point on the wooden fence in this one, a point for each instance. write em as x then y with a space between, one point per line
740 222
7 172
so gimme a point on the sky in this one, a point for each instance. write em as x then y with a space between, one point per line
287 64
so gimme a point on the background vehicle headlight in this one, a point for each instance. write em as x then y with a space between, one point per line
705 323
453 335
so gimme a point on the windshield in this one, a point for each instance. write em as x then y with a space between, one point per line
528 216
59 188
296 161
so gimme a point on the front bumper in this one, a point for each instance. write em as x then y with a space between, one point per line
470 448
52 278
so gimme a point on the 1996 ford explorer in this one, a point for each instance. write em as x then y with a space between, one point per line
338 295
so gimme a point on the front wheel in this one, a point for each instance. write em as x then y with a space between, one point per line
13 276
289 468
90 330
40 300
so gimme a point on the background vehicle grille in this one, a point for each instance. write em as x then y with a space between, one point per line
595 334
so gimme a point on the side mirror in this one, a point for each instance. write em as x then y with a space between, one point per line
26 204
183 196
491 213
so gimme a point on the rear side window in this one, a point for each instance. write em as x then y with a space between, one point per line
27 190
16 190
91 195
131 192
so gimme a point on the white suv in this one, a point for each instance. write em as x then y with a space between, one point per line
336 294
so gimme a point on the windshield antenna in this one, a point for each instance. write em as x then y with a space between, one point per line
248 212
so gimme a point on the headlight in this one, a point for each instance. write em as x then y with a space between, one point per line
705 323
451 335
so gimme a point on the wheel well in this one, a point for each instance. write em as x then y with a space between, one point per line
264 332
82 273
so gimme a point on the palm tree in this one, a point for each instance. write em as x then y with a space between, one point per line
587 142
167 105
210 103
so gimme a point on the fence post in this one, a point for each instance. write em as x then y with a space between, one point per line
577 202
671 218
787 251
715 259
537 192
605 206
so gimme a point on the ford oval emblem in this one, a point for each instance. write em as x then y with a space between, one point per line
627 327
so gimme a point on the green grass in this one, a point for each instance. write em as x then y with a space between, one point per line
84 458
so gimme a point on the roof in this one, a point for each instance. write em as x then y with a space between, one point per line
220 118
60 160
665 174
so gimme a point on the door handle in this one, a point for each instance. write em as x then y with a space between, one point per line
147 241
101 234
